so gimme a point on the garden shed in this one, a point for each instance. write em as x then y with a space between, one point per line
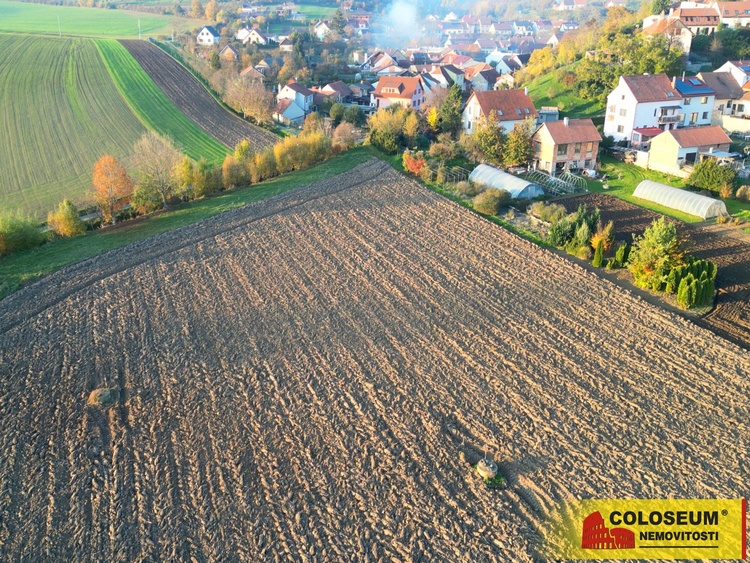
494 178
681 200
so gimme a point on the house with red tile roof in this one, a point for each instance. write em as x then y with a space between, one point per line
733 14
506 107
406 91
675 151
570 143
701 21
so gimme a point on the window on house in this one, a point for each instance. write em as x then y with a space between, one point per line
620 128
686 102
562 150
705 115
589 147
694 117
704 100
623 112
577 148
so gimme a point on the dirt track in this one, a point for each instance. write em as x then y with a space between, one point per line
726 245
301 376
194 100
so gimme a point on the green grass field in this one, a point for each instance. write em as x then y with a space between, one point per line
315 12
548 91
59 112
153 107
26 266
23 17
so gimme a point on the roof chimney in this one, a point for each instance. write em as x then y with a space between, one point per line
683 76
526 90
566 121
674 81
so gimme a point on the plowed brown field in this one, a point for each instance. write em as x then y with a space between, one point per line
308 378
194 100
726 245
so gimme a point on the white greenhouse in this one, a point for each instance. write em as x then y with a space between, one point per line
493 178
681 200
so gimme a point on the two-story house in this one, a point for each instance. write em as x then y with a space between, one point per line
642 101
701 21
299 94
406 91
507 107
733 14
697 101
207 36
570 143
740 71
726 90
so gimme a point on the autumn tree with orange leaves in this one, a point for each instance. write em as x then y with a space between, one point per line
112 187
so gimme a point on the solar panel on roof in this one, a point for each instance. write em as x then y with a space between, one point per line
695 82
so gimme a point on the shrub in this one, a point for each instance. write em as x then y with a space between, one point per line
65 222
726 191
605 235
414 162
145 199
466 189
579 244
263 165
233 173
710 176
18 233
599 254
654 254
344 136
491 200
560 232
743 193
721 219
548 212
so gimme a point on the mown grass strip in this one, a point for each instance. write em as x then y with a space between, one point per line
23 267
153 108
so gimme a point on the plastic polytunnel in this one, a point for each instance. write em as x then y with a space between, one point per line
494 178
681 200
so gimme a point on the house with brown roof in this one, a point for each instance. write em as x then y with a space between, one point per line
482 77
701 21
406 91
299 94
677 150
733 14
338 91
560 145
642 101
252 74
672 29
229 53
288 112
506 107
727 92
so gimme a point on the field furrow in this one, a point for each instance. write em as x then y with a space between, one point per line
312 377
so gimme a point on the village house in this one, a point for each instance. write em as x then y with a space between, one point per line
701 21
286 46
288 112
507 107
320 30
242 34
740 71
299 94
697 101
672 29
207 36
255 37
251 74
726 90
733 14
644 101
481 77
406 91
338 92
229 53
566 144
676 151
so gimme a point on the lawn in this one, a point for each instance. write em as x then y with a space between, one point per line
24 17
547 90
153 108
59 112
315 11
24 267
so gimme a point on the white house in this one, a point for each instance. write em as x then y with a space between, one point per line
508 107
740 70
208 36
288 112
643 101
733 14
299 94
727 93
697 101
242 34
321 29
256 38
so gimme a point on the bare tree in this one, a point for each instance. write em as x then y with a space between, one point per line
156 160
254 100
